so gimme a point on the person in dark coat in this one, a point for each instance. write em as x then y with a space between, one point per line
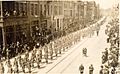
91 68
81 69
101 70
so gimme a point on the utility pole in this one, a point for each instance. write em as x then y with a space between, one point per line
1 24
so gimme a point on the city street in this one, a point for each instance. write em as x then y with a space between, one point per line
69 62
59 37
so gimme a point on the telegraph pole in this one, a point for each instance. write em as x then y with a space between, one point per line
1 24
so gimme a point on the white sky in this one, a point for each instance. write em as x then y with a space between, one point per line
105 3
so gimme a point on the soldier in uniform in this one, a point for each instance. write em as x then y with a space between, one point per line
55 47
101 70
81 68
29 65
33 58
91 69
26 56
59 46
51 50
2 68
10 70
23 64
40 52
16 70
20 60
46 52
38 60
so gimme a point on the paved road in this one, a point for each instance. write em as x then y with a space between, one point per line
70 65
68 62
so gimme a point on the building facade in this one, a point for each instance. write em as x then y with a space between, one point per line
22 21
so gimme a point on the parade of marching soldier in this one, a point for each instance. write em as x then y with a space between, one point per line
59 37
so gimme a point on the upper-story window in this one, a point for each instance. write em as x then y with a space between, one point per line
32 9
45 10
55 10
36 9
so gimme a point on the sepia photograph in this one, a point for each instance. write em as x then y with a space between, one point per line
59 37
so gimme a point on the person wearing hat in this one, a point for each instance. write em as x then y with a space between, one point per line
81 69
101 70
106 70
1 68
91 68
16 68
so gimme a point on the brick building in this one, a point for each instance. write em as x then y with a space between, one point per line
22 20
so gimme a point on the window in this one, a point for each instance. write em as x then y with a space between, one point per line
36 9
71 13
60 10
45 10
41 9
48 10
32 9
55 10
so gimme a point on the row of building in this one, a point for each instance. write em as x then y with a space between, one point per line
21 20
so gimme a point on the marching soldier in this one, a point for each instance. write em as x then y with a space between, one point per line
26 56
51 50
55 47
33 58
2 68
81 68
29 65
20 60
46 52
59 46
10 70
91 69
23 64
101 70
16 70
40 55
38 60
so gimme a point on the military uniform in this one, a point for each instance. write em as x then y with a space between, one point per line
10 70
29 66
81 68
46 53
51 50
16 70
38 60
40 54
59 46
23 65
1 68
33 58
55 48
91 69
20 61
